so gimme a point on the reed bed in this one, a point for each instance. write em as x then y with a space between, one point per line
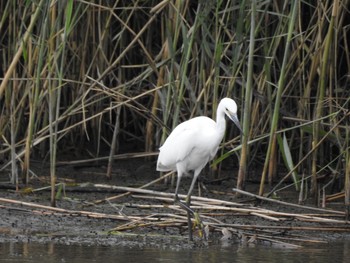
96 76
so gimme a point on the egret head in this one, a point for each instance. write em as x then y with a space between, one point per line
230 109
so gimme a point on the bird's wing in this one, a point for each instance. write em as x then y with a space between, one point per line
177 146
197 133
180 143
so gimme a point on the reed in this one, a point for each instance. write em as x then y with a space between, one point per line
247 102
321 92
271 150
347 180
95 75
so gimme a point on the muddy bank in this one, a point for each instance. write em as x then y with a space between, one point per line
147 220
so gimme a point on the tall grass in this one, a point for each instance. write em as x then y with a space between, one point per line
104 77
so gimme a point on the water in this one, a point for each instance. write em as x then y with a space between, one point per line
51 253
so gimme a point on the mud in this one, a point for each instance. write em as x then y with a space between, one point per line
31 224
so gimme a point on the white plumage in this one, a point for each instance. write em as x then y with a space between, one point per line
193 143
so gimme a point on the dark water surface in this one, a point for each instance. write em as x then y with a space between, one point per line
33 252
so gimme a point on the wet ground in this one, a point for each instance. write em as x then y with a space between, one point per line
83 222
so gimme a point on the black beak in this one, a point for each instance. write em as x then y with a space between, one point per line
235 120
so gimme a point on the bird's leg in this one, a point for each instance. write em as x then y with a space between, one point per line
201 186
183 205
177 199
189 220
188 204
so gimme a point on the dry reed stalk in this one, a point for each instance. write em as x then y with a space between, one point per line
219 204
127 193
61 210
23 41
287 203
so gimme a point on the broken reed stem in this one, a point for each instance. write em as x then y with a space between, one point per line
264 213
168 223
106 158
62 210
127 193
287 228
210 200
297 239
286 203
155 193
206 204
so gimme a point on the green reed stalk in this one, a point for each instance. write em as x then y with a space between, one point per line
280 87
321 93
52 98
187 45
5 14
57 98
237 50
33 96
170 38
216 65
247 102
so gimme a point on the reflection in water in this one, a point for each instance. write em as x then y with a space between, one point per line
32 252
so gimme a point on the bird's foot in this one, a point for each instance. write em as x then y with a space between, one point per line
198 223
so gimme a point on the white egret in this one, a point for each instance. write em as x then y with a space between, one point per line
192 144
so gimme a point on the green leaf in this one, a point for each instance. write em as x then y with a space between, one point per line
287 157
59 191
69 11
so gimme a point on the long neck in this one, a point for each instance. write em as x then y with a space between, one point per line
220 121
